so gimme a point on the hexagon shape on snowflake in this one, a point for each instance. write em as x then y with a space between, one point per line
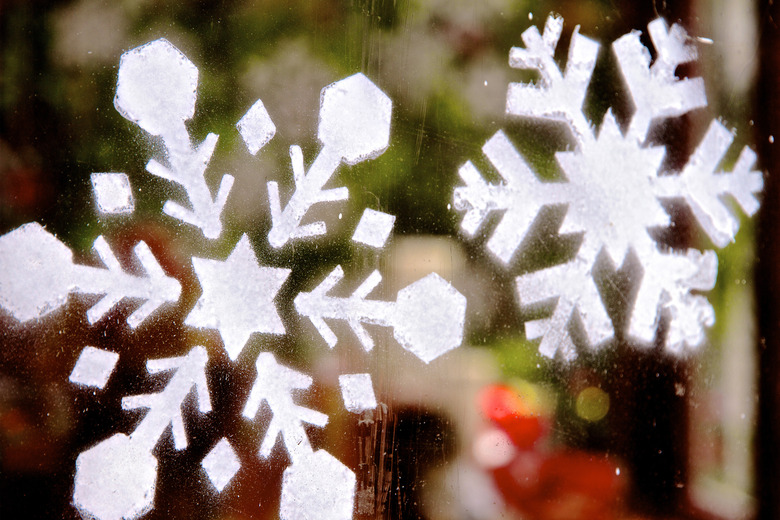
318 486
115 479
30 248
430 314
355 119
156 87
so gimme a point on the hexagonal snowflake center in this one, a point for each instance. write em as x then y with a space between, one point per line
612 195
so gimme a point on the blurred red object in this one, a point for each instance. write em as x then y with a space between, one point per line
540 481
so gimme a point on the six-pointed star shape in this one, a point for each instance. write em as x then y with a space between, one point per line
237 297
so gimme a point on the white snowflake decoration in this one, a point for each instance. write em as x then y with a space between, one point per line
357 391
237 305
612 191
221 464
156 90
117 477
112 193
93 367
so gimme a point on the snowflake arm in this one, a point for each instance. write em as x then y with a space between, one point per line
520 195
655 90
165 407
275 384
156 288
156 90
560 95
354 126
427 317
316 485
117 477
668 280
702 186
38 273
575 290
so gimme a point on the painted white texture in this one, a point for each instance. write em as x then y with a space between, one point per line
156 86
93 367
374 228
112 193
354 126
613 185
115 480
156 89
559 94
357 391
37 273
275 385
165 407
117 477
355 119
317 486
655 90
221 464
256 127
703 186
427 317
238 297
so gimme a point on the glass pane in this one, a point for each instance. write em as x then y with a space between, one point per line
387 259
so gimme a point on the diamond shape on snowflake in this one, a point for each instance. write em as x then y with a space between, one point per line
221 464
238 297
374 228
256 127
112 193
613 188
357 391
94 367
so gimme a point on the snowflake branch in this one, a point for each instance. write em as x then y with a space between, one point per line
165 407
560 95
575 290
655 90
38 274
521 195
354 126
274 384
431 297
666 290
155 288
703 187
156 90
308 192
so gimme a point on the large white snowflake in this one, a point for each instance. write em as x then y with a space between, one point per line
116 478
613 188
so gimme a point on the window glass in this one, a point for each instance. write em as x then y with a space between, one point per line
384 259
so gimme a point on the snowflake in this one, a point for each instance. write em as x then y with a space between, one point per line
117 477
613 191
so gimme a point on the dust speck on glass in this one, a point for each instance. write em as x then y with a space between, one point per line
408 279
